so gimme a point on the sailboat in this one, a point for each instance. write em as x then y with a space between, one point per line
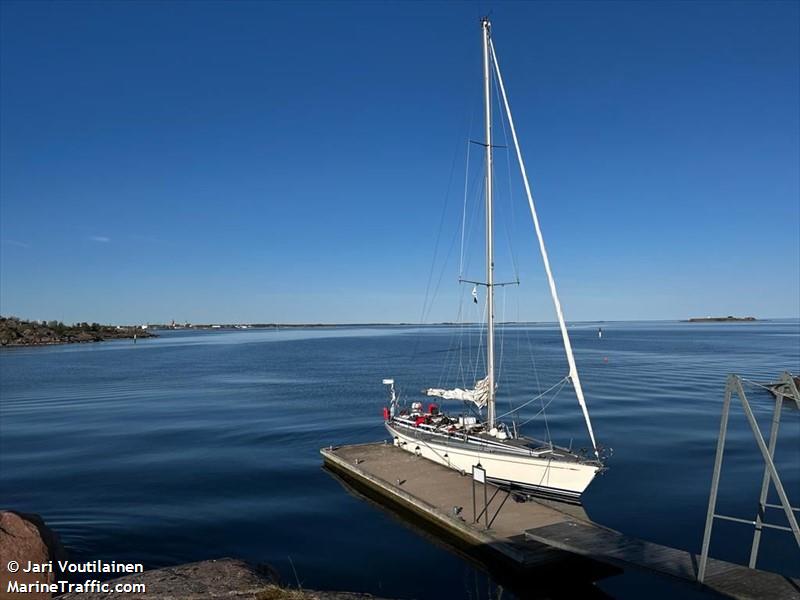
503 456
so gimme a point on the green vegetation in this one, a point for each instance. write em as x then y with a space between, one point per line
18 332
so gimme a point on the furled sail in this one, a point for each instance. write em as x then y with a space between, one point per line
479 395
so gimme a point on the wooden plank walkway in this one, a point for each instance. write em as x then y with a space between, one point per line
433 491
602 543
537 532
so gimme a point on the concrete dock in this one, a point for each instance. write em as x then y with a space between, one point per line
535 533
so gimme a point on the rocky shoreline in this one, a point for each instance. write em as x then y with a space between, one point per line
18 332
24 539
220 578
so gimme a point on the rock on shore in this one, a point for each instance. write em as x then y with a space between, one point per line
223 578
24 537
18 332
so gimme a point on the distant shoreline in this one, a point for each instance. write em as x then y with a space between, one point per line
15 333
719 319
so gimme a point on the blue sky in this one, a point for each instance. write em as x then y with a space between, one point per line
292 162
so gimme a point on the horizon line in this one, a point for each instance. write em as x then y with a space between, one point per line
265 324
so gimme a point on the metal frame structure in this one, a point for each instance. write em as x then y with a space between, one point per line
479 475
786 391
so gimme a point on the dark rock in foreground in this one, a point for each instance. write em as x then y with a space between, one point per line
24 537
223 578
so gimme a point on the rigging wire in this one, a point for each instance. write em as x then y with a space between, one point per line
473 219
558 383
555 395
509 239
546 424
441 274
429 300
447 363
517 355
464 213
536 376
480 355
438 238
466 370
502 335
461 339
468 226
533 359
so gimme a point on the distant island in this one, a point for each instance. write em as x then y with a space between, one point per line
18 332
719 319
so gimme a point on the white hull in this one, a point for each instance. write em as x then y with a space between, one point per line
540 476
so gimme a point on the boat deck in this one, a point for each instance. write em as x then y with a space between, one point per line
533 533
522 446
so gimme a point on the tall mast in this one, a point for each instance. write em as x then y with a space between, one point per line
487 99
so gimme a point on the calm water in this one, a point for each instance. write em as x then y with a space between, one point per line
198 445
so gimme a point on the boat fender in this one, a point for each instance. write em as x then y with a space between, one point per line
385 413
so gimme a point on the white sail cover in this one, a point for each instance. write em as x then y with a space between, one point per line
479 395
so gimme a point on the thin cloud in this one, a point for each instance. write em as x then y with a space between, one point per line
17 244
100 238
